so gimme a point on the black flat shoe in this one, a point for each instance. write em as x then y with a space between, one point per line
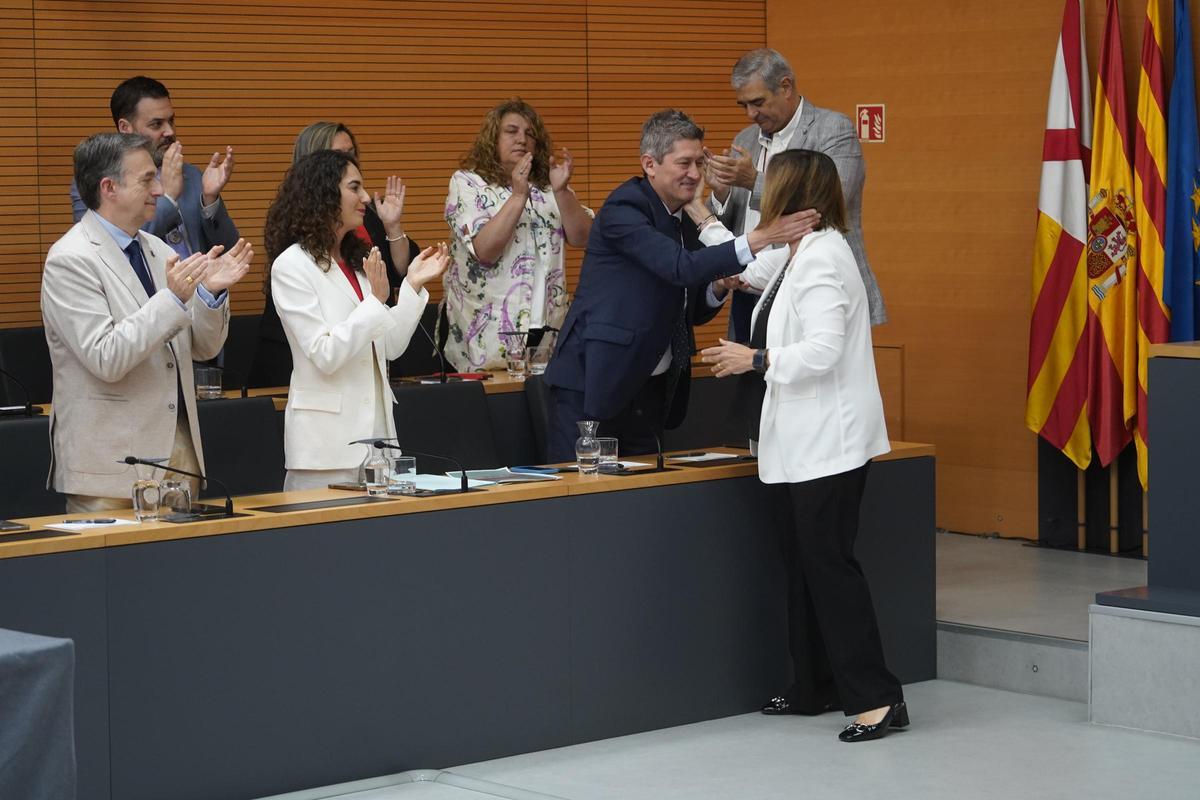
896 717
781 705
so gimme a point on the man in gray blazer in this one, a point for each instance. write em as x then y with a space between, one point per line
765 85
124 317
190 216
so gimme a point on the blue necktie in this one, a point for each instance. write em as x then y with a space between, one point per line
138 262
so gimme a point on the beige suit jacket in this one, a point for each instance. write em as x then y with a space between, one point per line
120 359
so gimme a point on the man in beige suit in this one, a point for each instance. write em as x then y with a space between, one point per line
124 317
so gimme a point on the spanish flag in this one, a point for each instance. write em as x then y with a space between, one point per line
1057 388
1111 258
1150 200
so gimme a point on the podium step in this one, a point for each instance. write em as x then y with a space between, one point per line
1047 666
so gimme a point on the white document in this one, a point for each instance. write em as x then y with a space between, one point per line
440 483
74 527
703 457
504 475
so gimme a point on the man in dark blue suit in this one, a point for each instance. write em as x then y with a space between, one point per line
624 353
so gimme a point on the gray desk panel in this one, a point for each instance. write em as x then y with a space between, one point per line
254 664
64 595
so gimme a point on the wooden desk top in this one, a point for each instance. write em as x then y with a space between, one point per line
569 484
1176 350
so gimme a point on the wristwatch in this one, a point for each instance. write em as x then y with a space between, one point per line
760 361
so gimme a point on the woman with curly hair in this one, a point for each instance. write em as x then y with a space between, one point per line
382 227
509 210
330 289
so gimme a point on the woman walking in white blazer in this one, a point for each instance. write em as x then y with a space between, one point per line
816 421
330 288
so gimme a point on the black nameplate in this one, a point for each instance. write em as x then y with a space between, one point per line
315 504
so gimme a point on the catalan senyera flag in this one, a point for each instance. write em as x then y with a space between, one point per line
1183 188
1111 258
1150 213
1057 389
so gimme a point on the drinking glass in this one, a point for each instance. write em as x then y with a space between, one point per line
208 383
514 359
146 494
536 358
608 454
403 479
175 497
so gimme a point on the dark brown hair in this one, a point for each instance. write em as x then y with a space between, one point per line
307 210
800 179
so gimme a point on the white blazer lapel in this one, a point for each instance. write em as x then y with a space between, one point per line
334 275
156 260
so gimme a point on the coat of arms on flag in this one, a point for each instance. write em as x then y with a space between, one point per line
1112 236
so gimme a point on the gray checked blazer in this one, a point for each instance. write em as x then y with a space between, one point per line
833 134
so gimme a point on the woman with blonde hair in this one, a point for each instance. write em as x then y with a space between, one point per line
816 421
509 209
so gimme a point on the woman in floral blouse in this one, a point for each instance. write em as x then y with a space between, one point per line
509 209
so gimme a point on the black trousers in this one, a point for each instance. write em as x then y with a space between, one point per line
634 427
834 639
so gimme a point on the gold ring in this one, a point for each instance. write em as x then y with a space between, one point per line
188 279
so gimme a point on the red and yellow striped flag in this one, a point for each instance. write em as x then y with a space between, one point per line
1057 388
1150 200
1111 258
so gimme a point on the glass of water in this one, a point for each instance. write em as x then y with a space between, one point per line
208 383
608 454
403 478
175 497
514 359
536 358
146 494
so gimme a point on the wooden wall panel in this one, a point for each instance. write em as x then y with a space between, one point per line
949 211
412 79
19 242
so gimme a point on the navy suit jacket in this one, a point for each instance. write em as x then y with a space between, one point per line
631 291
202 234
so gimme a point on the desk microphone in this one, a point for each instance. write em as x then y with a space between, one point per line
29 410
436 349
660 467
158 465
386 444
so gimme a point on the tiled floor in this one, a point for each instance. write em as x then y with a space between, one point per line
965 742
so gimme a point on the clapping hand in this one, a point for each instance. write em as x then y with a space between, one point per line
224 270
428 266
216 175
183 276
391 208
722 286
733 169
520 175
170 173
376 271
560 170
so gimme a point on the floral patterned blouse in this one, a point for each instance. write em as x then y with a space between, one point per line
525 288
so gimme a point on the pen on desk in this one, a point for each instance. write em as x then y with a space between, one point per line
99 521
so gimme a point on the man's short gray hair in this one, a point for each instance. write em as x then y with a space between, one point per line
762 63
664 129
101 156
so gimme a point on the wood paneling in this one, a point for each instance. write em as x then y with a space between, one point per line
949 212
412 79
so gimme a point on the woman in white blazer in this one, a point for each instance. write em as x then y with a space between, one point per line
330 288
816 421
